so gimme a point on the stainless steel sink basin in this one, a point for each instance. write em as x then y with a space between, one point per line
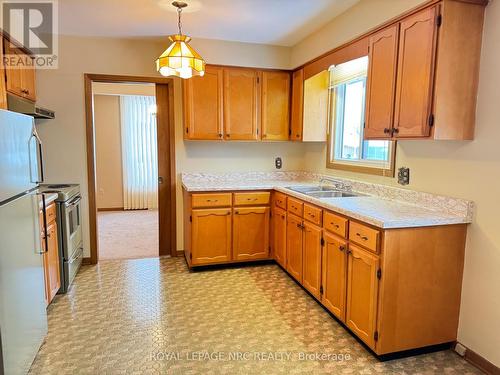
331 194
323 192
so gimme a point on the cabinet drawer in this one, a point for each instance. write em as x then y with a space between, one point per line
312 214
50 213
335 224
280 200
295 206
211 200
364 236
251 199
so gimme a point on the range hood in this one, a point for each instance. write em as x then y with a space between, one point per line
27 107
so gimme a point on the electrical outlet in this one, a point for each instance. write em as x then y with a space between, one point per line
278 163
404 176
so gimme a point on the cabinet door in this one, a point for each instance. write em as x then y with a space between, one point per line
417 52
251 233
14 77
211 236
294 246
297 105
312 259
51 263
316 106
334 275
241 95
381 85
203 105
362 294
279 236
275 106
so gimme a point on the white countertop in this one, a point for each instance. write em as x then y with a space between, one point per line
378 211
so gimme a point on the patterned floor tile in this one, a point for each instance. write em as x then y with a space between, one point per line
154 316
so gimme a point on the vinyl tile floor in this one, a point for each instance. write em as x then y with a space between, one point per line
153 316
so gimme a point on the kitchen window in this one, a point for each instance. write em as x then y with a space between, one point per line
347 149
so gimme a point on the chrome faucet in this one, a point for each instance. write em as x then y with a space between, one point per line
337 185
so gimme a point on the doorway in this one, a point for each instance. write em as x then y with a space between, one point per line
131 170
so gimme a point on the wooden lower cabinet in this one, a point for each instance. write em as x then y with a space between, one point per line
362 294
311 278
251 233
51 263
211 236
334 264
294 238
279 236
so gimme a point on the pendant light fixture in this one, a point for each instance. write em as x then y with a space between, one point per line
180 59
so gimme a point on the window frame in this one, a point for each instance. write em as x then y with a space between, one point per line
361 166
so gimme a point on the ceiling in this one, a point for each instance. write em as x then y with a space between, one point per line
275 22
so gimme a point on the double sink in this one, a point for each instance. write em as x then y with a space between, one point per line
320 191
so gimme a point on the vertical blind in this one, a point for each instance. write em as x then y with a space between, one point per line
139 152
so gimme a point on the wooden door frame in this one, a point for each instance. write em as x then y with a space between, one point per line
166 162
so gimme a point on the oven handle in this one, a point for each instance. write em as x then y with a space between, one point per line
74 201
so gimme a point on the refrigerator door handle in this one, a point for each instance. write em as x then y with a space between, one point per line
39 158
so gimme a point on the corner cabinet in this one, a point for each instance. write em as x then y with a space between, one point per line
415 88
225 227
237 104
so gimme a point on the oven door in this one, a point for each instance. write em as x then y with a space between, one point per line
72 226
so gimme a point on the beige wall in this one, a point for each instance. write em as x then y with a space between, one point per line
108 146
463 169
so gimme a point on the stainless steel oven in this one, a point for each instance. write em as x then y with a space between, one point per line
69 220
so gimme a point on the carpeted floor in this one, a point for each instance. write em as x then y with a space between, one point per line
128 234
153 316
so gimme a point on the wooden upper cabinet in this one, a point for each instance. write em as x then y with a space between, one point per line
362 294
294 237
20 81
297 111
275 108
415 80
316 94
241 97
279 236
3 88
203 105
334 265
311 278
251 233
381 83
211 236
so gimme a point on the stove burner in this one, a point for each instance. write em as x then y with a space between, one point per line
61 186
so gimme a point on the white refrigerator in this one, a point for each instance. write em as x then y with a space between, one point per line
23 317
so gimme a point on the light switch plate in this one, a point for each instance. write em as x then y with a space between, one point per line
404 176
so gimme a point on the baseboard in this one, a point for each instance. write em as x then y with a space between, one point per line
480 362
180 253
110 209
86 261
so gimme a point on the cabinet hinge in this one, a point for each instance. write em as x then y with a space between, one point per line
431 120
187 130
379 274
439 20
375 336
364 125
322 241
258 79
191 256
289 131
257 131
270 213
190 218
321 289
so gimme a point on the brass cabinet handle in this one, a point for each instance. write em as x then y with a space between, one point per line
220 135
387 130
212 200
364 238
342 248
